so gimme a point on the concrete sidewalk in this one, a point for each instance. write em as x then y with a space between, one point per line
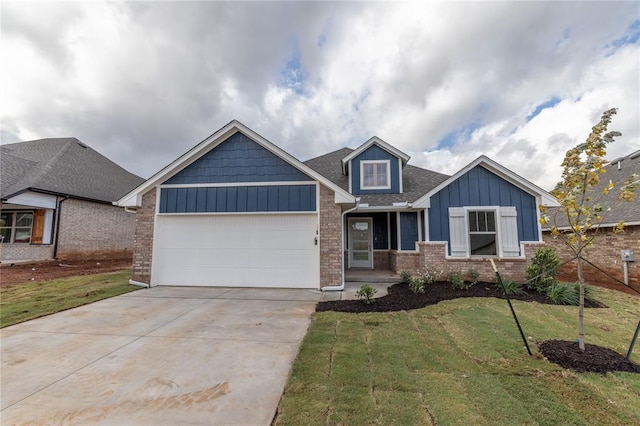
164 355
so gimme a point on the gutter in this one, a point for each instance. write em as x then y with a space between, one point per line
139 284
344 213
58 214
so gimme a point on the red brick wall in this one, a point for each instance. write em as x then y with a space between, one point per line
432 256
605 254
331 257
94 231
143 243
404 261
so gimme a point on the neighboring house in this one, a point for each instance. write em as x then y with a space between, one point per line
606 253
236 210
57 202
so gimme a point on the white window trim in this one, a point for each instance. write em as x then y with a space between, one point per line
496 218
366 188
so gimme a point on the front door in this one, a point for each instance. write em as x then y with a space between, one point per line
360 243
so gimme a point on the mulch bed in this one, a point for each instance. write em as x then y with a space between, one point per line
595 359
401 298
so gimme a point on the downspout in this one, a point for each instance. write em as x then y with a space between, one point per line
57 230
344 213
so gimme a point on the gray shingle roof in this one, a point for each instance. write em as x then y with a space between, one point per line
621 210
416 181
62 166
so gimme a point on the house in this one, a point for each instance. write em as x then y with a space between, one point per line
236 210
57 199
606 253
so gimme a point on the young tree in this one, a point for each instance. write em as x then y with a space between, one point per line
584 202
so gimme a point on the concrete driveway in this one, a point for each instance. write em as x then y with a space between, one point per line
164 355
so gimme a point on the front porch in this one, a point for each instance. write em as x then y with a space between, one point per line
355 275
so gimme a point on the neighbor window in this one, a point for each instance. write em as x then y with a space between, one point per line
482 233
15 227
375 174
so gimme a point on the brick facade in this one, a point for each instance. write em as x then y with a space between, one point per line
91 230
404 261
330 239
143 242
605 254
432 256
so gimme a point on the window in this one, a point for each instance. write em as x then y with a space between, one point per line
15 227
375 174
482 233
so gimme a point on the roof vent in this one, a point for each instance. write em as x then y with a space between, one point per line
634 155
81 144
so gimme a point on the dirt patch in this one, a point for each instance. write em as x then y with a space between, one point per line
401 298
595 359
13 274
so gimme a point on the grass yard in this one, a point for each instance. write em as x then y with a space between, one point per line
23 302
460 362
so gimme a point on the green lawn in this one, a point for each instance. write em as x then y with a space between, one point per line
461 362
32 300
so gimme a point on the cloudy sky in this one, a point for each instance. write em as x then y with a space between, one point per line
143 82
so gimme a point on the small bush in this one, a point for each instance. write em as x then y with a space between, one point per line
589 292
457 283
405 277
510 288
542 271
564 294
430 276
473 276
416 285
366 293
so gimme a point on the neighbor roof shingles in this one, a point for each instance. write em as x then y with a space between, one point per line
62 166
415 181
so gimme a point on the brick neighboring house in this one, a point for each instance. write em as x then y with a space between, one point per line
57 202
236 210
606 253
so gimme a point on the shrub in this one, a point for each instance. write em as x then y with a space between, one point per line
542 271
457 283
510 288
589 292
473 276
564 294
366 293
430 276
416 284
405 277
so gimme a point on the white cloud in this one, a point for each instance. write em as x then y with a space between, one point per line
143 82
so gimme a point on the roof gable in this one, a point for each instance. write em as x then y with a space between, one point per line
497 169
134 198
373 141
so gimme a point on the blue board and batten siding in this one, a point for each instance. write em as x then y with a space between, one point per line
374 152
238 160
480 187
408 230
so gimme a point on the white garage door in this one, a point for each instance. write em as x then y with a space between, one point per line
276 250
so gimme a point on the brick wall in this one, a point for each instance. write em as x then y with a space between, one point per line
10 252
94 231
330 239
143 243
404 261
381 260
605 254
432 256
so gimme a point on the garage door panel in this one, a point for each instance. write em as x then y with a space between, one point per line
236 250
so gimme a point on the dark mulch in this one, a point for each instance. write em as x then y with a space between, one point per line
594 359
401 298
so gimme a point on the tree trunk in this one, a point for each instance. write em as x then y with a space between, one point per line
581 305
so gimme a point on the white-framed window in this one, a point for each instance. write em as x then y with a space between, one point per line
480 231
15 227
375 174
483 239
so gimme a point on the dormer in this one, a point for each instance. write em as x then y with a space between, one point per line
375 167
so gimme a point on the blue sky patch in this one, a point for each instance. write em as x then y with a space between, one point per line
546 104
631 36
294 76
451 138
